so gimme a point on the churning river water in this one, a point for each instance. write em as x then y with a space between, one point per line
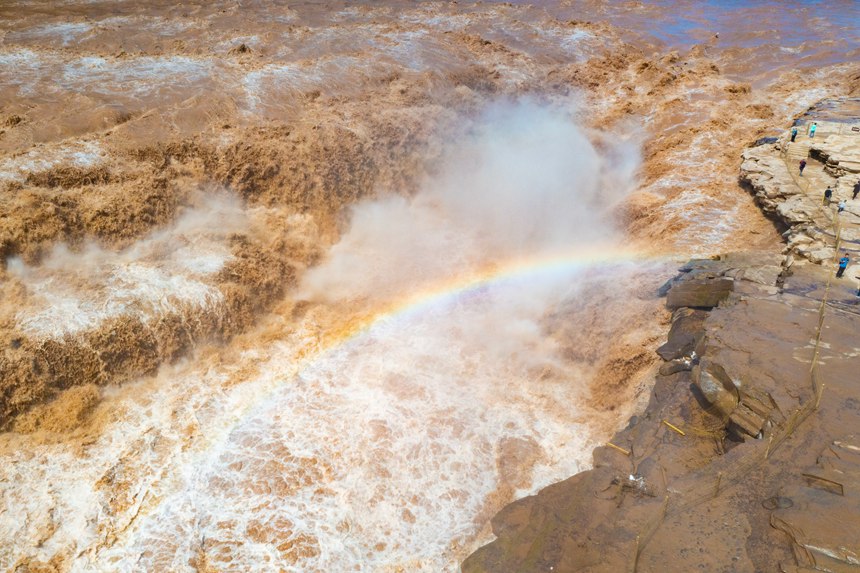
442 356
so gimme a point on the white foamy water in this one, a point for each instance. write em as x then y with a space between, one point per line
130 289
76 154
138 77
71 291
64 33
378 453
386 447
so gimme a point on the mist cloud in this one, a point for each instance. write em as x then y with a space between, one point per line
526 181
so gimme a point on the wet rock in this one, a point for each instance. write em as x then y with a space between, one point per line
765 141
744 420
687 329
664 288
716 386
699 292
699 265
676 366
816 514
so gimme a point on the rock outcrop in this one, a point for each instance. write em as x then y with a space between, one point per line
796 201
744 459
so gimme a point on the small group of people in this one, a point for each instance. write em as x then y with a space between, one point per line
843 260
812 129
828 196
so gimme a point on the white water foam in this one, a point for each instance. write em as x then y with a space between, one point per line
138 76
72 291
75 153
385 451
62 33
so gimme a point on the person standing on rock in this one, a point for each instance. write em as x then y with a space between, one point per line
812 129
802 166
841 206
828 193
843 264
793 133
856 189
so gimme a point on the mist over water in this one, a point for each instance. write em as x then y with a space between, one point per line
334 382
525 183
389 449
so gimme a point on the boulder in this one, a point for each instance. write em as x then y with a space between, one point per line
702 265
765 141
687 329
716 387
796 210
743 420
676 366
706 292
819 256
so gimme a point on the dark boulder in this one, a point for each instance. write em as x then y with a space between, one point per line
765 141
676 366
686 332
717 387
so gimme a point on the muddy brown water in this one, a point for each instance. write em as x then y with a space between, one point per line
322 286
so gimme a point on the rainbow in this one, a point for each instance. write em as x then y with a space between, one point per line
440 293
481 278
559 264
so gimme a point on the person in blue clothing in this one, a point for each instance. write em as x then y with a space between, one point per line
812 129
843 264
793 133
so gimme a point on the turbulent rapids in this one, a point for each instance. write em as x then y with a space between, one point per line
321 288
